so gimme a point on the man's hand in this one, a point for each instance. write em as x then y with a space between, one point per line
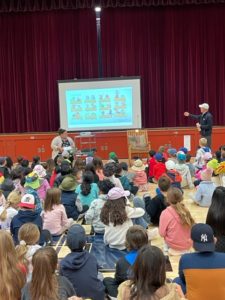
198 126
186 114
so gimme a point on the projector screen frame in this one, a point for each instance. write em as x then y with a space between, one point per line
138 124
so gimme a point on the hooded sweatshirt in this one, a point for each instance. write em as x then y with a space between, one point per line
81 269
184 171
92 216
176 235
24 216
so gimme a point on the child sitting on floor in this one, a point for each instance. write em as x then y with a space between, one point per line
136 237
118 217
98 164
109 173
172 154
9 210
54 214
151 163
173 175
159 169
92 216
184 171
123 179
140 179
80 267
156 205
175 224
203 196
199 158
87 191
44 185
28 236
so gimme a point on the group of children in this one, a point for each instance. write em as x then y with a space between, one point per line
41 202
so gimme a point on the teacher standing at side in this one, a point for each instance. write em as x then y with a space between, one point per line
205 122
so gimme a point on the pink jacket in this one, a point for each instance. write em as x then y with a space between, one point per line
176 235
55 219
140 178
43 189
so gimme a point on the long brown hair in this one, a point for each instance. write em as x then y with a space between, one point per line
149 273
114 212
12 278
53 197
44 285
174 198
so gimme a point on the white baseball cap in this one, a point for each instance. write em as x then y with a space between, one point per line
204 105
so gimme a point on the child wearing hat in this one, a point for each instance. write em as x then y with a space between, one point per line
173 175
69 199
160 168
140 179
113 157
26 214
202 274
80 267
118 217
44 185
184 171
203 196
32 183
172 153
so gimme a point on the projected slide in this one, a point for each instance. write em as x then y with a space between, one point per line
100 104
99 107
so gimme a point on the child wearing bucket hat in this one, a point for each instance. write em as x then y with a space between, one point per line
118 217
32 183
44 185
140 179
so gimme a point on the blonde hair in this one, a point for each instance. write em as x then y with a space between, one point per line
12 278
13 198
28 235
203 142
175 197
44 285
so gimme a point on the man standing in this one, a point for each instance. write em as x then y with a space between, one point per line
205 122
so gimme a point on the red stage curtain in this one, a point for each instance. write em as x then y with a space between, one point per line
43 5
178 51
36 50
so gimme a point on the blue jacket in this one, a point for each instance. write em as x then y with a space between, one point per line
24 216
204 193
68 199
81 269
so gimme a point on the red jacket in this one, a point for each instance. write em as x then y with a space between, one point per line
158 170
151 163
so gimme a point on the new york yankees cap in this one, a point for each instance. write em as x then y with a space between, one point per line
203 239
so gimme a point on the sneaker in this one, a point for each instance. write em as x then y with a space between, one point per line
152 233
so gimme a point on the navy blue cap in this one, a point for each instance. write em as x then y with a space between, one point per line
76 237
203 239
